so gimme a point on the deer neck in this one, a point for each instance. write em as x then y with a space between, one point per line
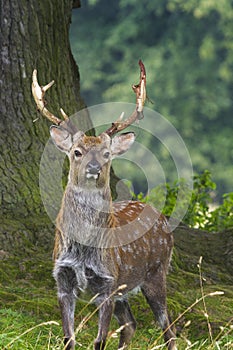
85 215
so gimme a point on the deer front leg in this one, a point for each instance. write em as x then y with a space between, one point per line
105 315
67 306
66 285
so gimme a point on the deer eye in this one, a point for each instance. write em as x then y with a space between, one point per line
77 153
106 155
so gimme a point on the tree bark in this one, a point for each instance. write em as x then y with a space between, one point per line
34 34
216 248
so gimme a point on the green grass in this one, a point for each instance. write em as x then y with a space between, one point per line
30 318
23 331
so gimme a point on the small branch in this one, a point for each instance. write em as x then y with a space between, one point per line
203 300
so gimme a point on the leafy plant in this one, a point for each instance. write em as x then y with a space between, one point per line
222 217
202 211
198 214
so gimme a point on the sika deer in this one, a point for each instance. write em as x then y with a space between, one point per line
106 247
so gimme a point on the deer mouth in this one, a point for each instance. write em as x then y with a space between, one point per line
92 175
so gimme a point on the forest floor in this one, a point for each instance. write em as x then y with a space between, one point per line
200 303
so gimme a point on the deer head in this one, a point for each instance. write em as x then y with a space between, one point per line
90 157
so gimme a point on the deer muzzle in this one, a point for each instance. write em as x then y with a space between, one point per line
93 169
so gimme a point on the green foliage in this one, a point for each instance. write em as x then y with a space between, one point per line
198 214
188 53
202 212
222 217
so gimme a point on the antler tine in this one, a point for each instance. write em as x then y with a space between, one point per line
140 91
38 94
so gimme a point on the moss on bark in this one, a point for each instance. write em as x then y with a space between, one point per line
33 34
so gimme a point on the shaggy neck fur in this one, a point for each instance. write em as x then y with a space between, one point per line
85 216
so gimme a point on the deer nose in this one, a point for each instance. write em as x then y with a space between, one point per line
93 167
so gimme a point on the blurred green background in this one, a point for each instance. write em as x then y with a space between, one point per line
187 48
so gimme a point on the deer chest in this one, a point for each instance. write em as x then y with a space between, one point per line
81 267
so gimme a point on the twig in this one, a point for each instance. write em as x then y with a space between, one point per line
204 304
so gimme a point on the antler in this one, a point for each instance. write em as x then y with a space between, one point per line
120 124
38 94
140 91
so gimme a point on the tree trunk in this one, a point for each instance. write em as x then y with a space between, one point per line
34 34
216 248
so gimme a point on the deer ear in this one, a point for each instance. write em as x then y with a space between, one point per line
121 143
61 138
